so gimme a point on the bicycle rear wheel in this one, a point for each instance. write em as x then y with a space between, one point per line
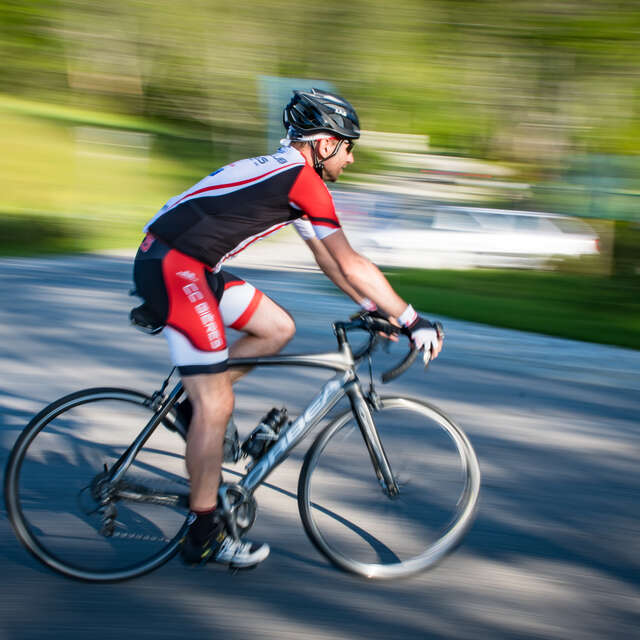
361 529
60 506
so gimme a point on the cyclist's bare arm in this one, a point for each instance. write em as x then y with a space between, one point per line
365 277
361 274
330 268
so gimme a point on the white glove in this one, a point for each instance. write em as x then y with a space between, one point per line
424 334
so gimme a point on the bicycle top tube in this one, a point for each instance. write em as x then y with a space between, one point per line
337 360
344 359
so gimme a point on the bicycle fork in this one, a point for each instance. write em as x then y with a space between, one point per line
379 460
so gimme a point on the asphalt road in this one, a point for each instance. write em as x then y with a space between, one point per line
554 552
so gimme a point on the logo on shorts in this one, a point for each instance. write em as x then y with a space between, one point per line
208 318
188 275
210 325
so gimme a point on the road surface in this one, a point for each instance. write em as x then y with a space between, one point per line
554 551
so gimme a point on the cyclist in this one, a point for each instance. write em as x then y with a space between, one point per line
178 271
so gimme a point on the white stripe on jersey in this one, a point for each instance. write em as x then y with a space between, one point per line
247 241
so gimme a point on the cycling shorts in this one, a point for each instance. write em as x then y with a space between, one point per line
195 304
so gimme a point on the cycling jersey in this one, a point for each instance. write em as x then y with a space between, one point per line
178 267
243 202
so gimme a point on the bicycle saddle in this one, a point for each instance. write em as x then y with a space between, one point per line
145 319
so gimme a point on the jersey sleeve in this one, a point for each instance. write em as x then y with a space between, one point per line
310 195
304 228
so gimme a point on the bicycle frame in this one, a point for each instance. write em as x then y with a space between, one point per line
345 382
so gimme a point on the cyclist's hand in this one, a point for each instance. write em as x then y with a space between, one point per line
378 313
374 312
427 337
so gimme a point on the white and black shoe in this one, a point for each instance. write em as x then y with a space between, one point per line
240 554
207 541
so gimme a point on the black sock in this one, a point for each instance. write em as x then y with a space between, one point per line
206 526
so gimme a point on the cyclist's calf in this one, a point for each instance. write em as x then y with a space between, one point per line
211 396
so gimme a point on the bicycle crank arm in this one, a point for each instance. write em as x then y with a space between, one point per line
238 509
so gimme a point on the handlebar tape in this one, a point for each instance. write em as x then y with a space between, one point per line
399 369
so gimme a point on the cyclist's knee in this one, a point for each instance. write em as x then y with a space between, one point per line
220 403
279 328
285 327
213 415
212 404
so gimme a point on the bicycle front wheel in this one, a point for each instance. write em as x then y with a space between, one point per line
65 513
360 528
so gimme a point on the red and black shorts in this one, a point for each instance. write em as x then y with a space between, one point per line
195 304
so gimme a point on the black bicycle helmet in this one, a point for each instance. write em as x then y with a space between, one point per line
316 111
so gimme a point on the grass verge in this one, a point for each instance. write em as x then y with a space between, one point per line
581 307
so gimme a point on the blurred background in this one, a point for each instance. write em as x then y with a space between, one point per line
501 139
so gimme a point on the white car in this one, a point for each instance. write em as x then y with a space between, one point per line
395 233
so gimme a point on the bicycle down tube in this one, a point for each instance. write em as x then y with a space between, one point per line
331 393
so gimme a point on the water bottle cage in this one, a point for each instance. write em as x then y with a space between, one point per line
265 434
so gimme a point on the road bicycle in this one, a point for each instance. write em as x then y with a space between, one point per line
95 485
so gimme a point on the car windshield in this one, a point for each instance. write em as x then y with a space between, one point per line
457 221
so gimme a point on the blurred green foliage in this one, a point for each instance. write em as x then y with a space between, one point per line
581 307
475 75
41 233
626 251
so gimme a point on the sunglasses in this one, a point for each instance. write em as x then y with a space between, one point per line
349 143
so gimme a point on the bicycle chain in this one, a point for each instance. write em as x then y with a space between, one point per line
142 537
139 536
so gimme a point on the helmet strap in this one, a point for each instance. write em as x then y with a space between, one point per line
318 163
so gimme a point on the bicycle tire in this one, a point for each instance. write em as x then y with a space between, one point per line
39 448
358 528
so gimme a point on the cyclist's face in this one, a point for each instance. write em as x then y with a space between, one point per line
334 166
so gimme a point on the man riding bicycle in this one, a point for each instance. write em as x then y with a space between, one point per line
178 271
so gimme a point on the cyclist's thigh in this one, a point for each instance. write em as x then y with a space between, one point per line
248 309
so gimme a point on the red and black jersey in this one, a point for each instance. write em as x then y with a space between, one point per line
243 202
